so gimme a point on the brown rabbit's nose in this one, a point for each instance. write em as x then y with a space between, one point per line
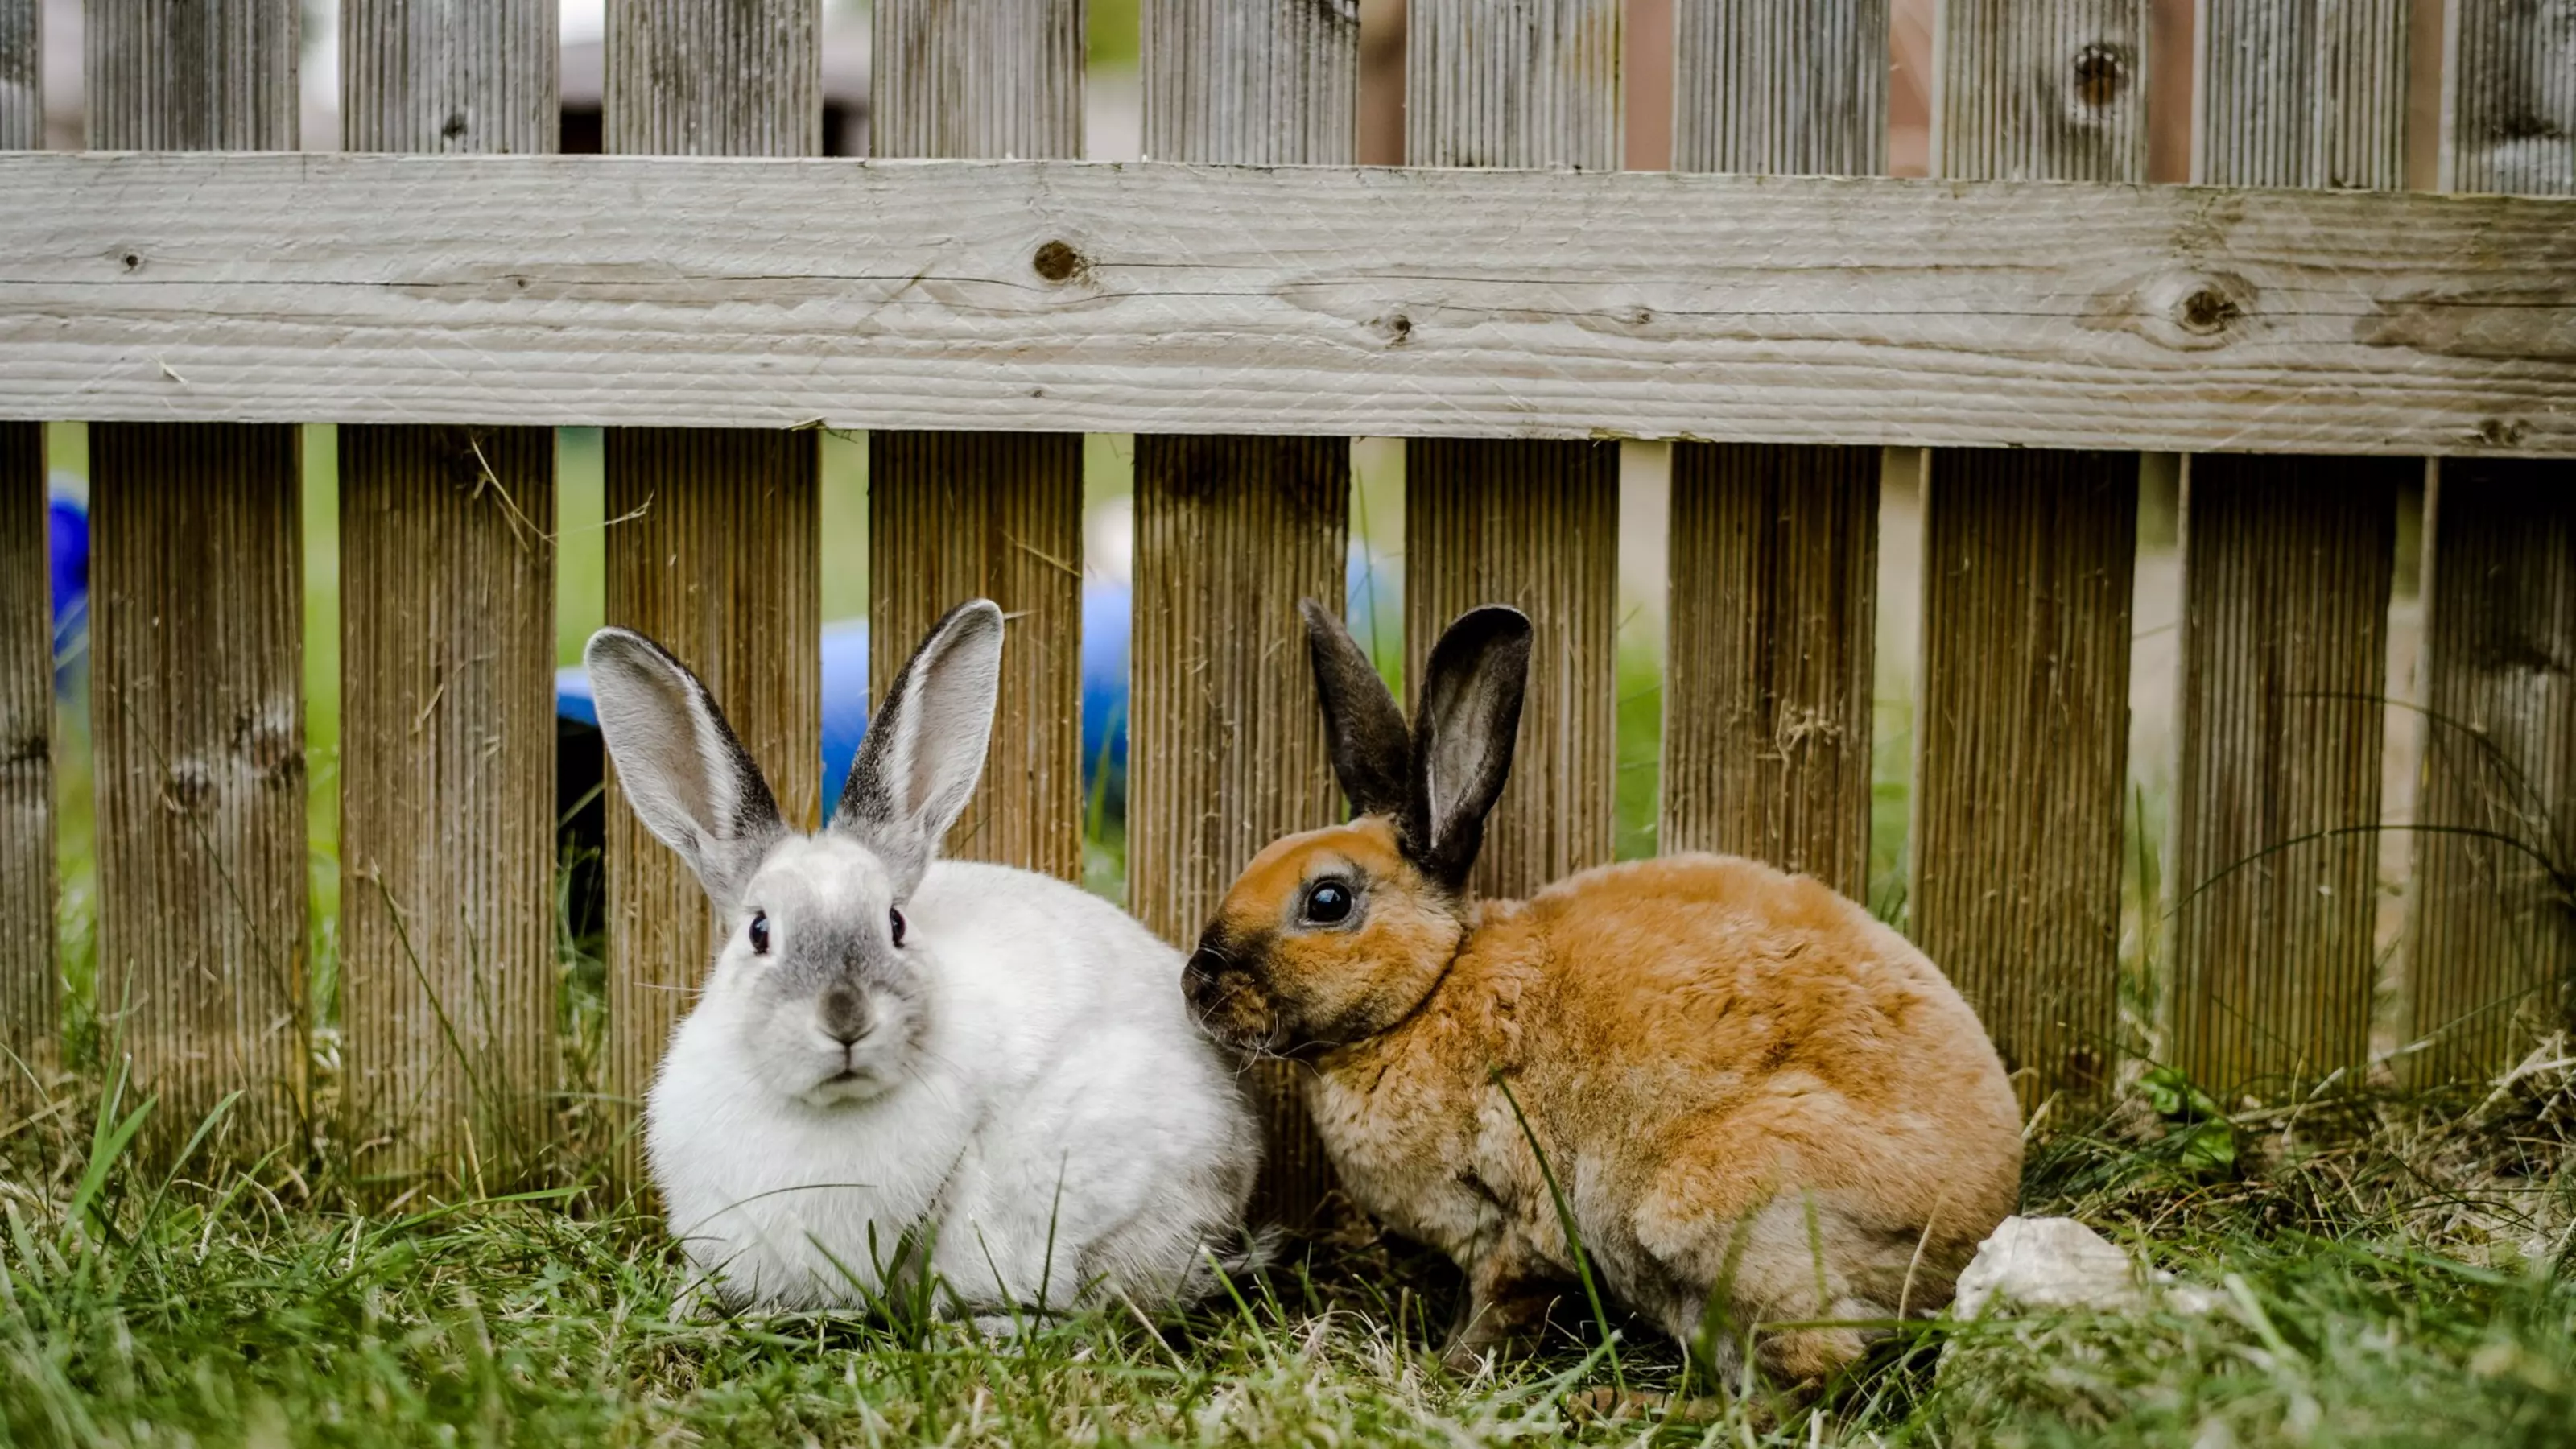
844 1012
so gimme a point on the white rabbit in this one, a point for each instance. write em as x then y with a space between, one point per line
894 1052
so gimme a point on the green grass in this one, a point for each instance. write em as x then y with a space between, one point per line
2395 1272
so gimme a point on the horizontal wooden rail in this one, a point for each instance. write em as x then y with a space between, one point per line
1167 298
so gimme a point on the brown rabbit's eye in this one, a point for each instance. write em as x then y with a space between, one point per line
1328 902
895 919
759 933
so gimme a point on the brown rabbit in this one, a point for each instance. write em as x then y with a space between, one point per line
1762 1106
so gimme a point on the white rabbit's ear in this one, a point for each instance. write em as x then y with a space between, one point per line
1462 741
925 749
679 765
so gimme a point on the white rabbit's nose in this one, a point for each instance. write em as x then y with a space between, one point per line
843 1012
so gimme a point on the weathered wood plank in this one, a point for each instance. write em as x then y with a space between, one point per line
1002 514
1231 532
29 996
1774 551
2287 564
2286 571
539 290
2493 952
1781 87
1532 524
197 717
2509 96
2022 708
196 625
720 555
956 516
2021 730
447 963
2301 93
2051 91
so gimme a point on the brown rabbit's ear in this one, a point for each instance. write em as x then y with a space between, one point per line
1372 750
1471 716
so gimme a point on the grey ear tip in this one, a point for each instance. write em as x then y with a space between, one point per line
614 642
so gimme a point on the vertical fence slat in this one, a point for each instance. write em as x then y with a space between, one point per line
954 515
714 544
197 648
2021 718
22 75
28 997
2287 564
2509 97
1228 749
1528 523
447 970
1774 554
2493 955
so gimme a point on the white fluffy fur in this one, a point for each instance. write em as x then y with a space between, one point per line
1058 1091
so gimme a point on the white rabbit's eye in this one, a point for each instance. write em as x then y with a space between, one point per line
759 933
1328 902
894 919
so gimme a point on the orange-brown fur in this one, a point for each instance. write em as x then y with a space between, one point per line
1748 1089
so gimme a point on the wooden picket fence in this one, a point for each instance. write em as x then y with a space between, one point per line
712 292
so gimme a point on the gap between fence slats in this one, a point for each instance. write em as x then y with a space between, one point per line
2492 955
447 759
715 543
29 996
22 75
197 682
2287 564
1228 748
2022 709
1526 523
1774 550
1001 513
956 516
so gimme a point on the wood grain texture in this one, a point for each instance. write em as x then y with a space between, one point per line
2493 953
2053 91
1228 747
720 557
1512 83
2286 571
30 992
191 75
1534 525
950 515
2022 706
2021 730
2509 96
197 718
1780 87
196 627
22 75
447 757
1253 82
2301 93
1317 301
1228 751
447 960
957 516
449 75
713 546
977 77
1774 550
1767 684
2287 565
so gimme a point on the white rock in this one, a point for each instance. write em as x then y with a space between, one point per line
2060 1263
